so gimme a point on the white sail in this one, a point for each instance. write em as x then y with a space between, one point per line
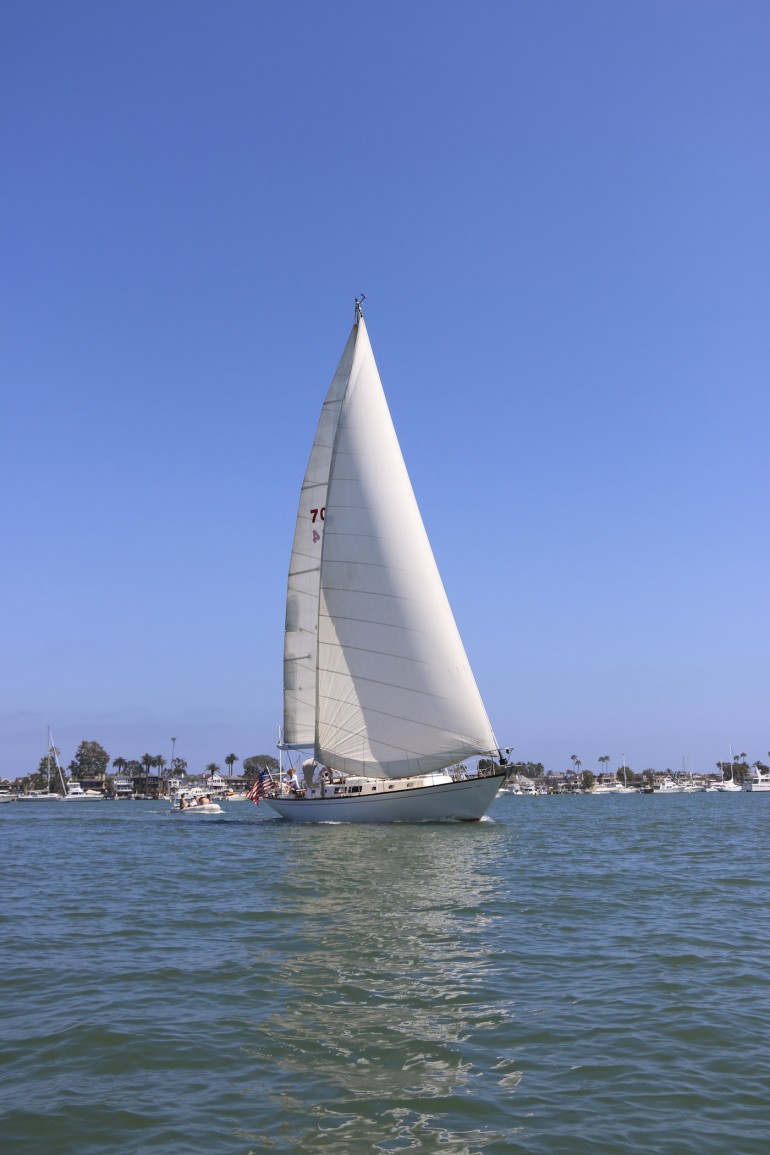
395 692
301 634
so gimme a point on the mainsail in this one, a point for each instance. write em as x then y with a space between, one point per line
374 663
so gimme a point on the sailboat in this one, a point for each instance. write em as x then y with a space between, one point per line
47 795
376 680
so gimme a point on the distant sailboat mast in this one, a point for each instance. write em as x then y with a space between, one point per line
52 749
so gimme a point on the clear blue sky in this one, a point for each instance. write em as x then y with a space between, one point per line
559 214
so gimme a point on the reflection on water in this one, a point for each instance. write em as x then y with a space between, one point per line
385 1000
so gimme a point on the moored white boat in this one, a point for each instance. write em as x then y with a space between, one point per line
729 785
47 795
667 785
520 786
376 680
757 782
75 792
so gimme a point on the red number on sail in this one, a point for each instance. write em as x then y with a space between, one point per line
314 513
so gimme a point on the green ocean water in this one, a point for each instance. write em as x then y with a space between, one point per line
578 975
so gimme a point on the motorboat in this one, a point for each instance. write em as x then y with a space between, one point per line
758 782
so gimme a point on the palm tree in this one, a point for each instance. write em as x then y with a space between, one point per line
212 769
229 760
119 764
148 761
604 758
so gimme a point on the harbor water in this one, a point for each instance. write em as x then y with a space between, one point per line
575 974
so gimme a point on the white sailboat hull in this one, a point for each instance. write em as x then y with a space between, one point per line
465 801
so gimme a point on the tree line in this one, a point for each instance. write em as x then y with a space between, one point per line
739 769
91 761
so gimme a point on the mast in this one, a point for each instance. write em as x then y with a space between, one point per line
51 747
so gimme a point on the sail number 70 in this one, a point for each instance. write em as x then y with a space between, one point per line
318 513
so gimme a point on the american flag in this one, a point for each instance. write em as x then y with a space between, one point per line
262 786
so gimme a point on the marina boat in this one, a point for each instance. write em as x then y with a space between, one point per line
376 680
520 786
689 783
47 795
75 792
757 782
667 785
611 787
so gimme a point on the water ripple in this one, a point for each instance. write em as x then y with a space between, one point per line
578 976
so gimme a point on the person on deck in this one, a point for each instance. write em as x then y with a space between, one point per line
291 781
